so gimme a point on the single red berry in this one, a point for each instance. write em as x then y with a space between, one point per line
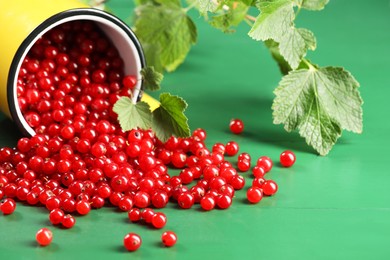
83 207
169 238
237 181
265 162
8 206
254 194
159 220
56 216
231 148
44 236
68 221
141 199
160 199
269 187
186 200
125 203
236 126
129 81
207 202
287 158
147 214
132 241
258 171
134 214
199 134
224 201
243 165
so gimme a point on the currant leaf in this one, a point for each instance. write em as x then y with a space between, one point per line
320 103
314 5
132 115
230 16
275 20
205 6
151 78
169 119
309 38
168 26
273 47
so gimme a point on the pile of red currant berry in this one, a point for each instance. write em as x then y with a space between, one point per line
80 159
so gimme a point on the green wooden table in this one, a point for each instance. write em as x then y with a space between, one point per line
333 207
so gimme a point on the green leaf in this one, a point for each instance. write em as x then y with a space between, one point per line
293 47
151 78
319 102
169 119
275 20
313 5
205 6
309 38
152 53
168 27
132 115
230 16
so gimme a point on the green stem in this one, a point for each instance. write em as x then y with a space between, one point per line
311 67
190 7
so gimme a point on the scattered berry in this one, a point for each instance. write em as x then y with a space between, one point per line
132 241
265 162
254 194
231 148
44 236
269 187
169 238
159 220
68 221
287 158
236 126
8 206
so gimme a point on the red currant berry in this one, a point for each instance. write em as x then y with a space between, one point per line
83 207
236 126
231 148
56 216
243 165
134 214
132 241
44 236
147 215
129 81
68 221
186 200
207 202
169 238
258 171
141 199
254 194
159 220
224 201
269 187
287 158
199 134
265 162
8 206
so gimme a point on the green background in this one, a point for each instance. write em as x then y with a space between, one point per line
333 207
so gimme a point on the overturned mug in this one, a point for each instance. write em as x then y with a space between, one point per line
24 22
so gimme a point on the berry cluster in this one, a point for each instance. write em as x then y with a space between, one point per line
79 159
